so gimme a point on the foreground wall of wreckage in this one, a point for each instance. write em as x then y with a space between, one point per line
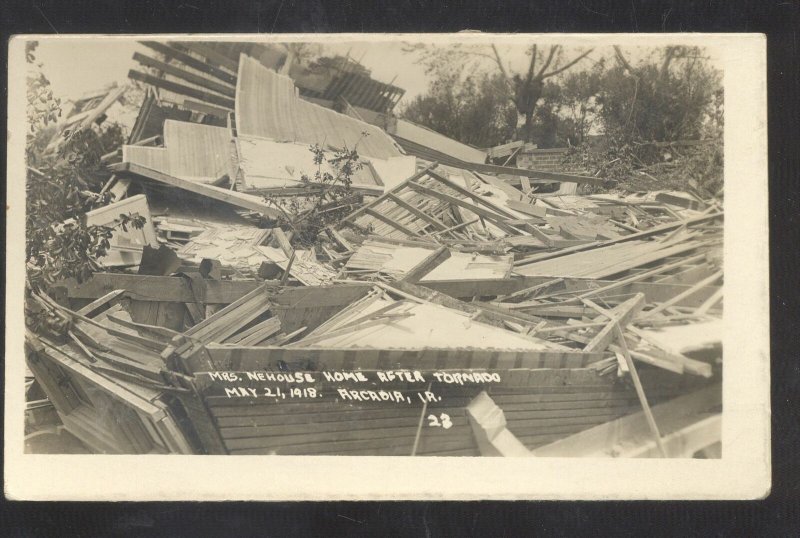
448 314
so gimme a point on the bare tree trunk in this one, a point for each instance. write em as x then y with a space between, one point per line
529 126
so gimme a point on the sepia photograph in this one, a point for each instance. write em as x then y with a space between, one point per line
446 249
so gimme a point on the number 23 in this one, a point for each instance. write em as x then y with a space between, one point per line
443 421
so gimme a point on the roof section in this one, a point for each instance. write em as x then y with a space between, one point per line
267 164
191 151
438 142
267 105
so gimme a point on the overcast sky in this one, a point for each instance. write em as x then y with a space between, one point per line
80 65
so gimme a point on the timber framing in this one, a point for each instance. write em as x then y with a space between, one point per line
191 61
242 200
161 288
219 87
182 89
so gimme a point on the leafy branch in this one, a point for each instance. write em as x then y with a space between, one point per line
330 195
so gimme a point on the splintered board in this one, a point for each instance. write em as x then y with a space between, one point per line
606 261
108 414
398 260
428 205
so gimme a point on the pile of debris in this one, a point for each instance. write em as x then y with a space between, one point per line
455 308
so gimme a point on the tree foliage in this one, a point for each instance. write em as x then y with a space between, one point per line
61 186
663 99
644 111
329 197
524 90
475 110
663 122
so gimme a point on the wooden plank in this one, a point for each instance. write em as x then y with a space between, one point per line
224 195
253 299
653 292
526 292
68 360
613 285
496 170
685 442
430 295
491 216
489 428
283 241
620 316
648 413
191 61
641 235
89 309
528 209
224 89
416 212
691 291
463 289
396 225
266 324
685 363
212 55
264 331
181 89
602 439
158 331
204 108
709 303
431 262
347 424
339 238
469 194
545 367
385 195
680 201
147 288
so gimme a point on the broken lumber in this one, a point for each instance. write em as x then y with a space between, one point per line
238 199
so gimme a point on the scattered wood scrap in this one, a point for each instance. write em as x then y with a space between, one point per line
441 307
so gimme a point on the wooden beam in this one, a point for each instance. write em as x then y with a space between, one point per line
385 195
709 303
614 285
428 153
597 244
283 241
691 291
632 431
620 317
224 89
653 292
493 217
191 61
210 54
89 309
469 194
416 212
528 209
204 108
648 413
468 289
489 428
396 225
160 288
427 294
436 258
181 89
238 199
